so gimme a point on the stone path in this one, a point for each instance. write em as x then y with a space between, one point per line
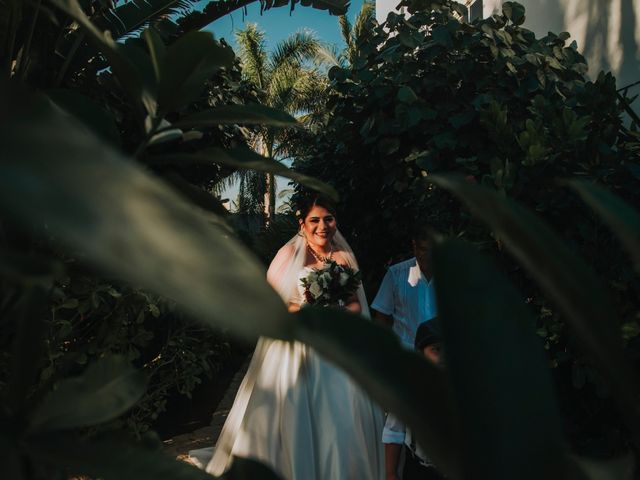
179 446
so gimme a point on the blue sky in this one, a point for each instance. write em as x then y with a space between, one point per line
279 23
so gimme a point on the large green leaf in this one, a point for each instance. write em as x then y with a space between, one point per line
510 422
88 112
122 68
246 159
131 223
241 115
107 389
564 278
187 64
113 458
399 380
29 315
621 218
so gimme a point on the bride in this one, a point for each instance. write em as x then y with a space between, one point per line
295 411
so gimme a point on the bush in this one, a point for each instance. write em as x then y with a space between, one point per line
430 93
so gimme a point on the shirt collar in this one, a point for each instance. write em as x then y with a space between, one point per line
415 275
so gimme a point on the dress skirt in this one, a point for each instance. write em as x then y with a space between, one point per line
302 416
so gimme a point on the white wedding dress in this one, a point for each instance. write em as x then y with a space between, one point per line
297 412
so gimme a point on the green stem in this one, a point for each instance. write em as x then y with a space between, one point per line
24 58
12 36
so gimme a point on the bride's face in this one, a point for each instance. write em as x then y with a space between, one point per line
319 226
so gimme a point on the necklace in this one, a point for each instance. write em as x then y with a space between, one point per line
320 258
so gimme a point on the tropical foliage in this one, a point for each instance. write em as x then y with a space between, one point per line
288 81
509 111
175 103
490 418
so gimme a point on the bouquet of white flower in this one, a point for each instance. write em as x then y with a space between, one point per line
331 285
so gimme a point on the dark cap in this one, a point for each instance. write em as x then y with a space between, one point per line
428 333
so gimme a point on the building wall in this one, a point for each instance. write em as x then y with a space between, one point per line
607 32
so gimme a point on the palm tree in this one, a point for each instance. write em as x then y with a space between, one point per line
353 36
362 26
288 80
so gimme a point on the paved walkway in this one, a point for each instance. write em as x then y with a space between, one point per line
180 445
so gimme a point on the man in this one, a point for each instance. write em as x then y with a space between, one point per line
406 296
405 299
396 438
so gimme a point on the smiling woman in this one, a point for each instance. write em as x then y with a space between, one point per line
296 411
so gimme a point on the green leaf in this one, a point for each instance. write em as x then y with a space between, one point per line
241 115
620 468
246 159
107 389
514 12
188 63
623 220
157 51
511 425
406 94
114 458
563 277
131 224
121 66
399 380
96 118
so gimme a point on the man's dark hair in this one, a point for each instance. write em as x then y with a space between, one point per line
422 231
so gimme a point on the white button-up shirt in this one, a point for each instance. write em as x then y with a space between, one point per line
408 297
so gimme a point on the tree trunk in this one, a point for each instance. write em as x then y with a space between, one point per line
270 191
268 217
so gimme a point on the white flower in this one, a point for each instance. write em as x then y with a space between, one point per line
315 290
325 279
344 278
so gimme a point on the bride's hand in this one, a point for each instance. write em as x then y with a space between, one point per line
353 306
293 307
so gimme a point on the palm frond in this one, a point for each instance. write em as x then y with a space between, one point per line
365 20
330 56
134 15
345 30
253 54
282 86
294 50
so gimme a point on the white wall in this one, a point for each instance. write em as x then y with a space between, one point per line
607 31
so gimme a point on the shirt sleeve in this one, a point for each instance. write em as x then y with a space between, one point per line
383 302
393 431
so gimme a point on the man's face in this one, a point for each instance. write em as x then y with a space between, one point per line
432 352
423 249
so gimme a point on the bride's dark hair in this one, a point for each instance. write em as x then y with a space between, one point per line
307 202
